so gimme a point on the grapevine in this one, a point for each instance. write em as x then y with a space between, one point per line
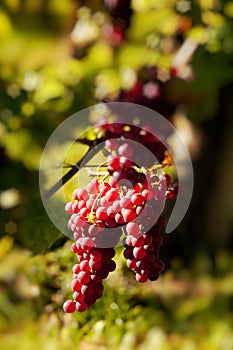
116 206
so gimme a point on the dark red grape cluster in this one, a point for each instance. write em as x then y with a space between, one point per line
150 91
143 136
117 205
120 12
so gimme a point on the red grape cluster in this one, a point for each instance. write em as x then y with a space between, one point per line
143 136
142 251
120 12
120 203
95 265
150 91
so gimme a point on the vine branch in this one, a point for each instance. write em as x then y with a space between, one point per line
75 167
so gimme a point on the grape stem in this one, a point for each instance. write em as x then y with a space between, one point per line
75 167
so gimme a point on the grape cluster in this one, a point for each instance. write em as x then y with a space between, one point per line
95 265
141 135
150 91
117 206
142 251
120 12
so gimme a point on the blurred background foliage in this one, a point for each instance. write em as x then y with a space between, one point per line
175 57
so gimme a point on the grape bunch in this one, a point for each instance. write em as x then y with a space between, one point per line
142 251
95 265
120 13
117 206
150 91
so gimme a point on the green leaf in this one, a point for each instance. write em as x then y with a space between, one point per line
20 146
136 56
50 89
163 20
100 56
208 75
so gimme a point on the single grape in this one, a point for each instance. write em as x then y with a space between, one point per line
69 306
81 307
83 277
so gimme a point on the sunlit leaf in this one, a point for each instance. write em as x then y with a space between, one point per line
209 4
100 56
146 5
215 20
136 56
5 25
51 88
199 34
143 24
70 72
6 244
60 7
193 306
108 83
28 109
228 9
20 146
